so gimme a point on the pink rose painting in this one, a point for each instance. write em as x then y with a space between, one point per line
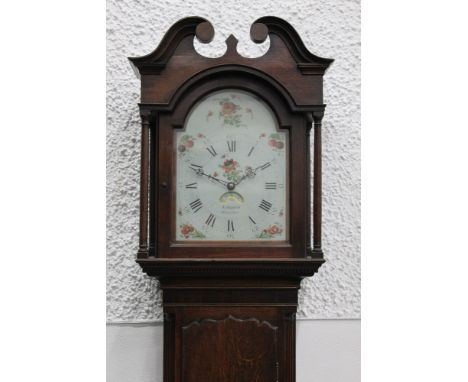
228 108
231 170
276 141
229 112
189 231
186 143
270 232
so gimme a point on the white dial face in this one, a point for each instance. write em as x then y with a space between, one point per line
231 172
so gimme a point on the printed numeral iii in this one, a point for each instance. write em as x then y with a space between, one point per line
264 205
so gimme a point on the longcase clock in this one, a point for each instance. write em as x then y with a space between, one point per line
226 213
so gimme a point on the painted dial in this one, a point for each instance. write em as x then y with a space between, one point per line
231 171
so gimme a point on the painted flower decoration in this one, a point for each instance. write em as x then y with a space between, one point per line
186 143
186 229
228 108
229 165
270 232
231 170
189 231
230 112
276 141
274 230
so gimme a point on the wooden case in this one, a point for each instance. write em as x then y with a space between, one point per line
229 310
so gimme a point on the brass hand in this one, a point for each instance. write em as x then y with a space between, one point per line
249 173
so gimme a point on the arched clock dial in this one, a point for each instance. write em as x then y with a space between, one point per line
231 172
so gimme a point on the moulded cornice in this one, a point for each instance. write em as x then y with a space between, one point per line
229 71
163 267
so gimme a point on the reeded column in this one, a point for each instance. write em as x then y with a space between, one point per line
144 184
310 122
317 210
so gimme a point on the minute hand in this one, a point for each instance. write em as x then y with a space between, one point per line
262 167
253 172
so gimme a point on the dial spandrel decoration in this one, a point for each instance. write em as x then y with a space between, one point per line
231 172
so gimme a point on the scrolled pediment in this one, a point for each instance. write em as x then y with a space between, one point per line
176 60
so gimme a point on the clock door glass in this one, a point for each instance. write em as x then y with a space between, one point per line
231 171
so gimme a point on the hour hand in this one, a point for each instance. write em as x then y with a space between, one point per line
217 180
199 171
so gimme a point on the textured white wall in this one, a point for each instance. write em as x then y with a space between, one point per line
328 29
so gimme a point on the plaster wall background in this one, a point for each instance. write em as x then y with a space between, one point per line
329 29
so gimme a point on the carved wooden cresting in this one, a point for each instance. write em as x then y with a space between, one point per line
229 308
